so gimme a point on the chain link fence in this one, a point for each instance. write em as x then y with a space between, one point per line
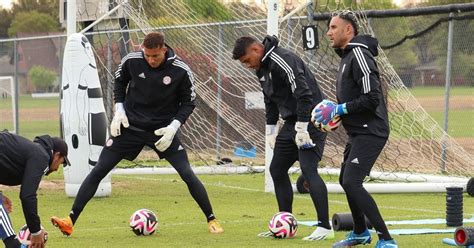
420 62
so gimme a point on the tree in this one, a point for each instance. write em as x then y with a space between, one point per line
5 22
32 21
42 78
211 10
49 7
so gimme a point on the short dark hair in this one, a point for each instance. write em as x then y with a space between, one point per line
241 45
349 17
154 40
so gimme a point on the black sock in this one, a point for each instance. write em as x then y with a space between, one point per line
12 242
211 217
73 218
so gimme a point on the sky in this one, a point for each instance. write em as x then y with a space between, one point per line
6 3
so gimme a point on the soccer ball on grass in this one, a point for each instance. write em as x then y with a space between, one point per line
283 225
143 222
24 235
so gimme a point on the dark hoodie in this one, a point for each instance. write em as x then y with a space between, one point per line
358 85
155 96
289 87
24 163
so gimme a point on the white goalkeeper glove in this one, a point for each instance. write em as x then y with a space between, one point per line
271 132
120 118
168 134
302 138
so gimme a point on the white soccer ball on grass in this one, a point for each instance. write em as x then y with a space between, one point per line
283 225
143 222
24 235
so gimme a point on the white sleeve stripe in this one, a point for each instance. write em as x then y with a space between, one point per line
286 68
266 54
365 69
135 55
183 65
357 44
132 55
283 64
5 222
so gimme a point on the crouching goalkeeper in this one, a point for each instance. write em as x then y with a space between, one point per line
290 91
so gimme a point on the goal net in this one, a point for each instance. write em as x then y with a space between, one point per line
228 123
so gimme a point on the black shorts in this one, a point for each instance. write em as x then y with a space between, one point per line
131 142
285 144
362 151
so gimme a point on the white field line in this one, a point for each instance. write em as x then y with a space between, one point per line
175 224
256 220
222 185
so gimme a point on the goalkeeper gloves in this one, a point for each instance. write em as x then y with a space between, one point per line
271 133
167 134
302 139
120 118
327 112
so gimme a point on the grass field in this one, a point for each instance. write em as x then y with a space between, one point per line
461 112
439 91
238 200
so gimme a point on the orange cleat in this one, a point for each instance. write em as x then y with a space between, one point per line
64 224
215 227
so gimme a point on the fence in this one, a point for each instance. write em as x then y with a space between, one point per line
421 62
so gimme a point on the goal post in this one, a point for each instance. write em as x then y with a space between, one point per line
8 89
272 29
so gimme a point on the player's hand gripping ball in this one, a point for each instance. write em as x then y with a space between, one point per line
332 125
24 235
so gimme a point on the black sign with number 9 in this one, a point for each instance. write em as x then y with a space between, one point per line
310 37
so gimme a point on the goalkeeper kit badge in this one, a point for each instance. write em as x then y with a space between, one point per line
167 80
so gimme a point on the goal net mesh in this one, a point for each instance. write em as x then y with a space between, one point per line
229 120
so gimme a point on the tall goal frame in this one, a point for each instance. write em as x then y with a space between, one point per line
13 92
221 85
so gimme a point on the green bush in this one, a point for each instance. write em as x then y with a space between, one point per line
42 78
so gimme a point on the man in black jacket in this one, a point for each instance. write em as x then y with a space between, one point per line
154 95
363 110
290 91
24 163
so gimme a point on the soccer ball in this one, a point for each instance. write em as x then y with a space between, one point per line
24 235
283 225
143 222
331 125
